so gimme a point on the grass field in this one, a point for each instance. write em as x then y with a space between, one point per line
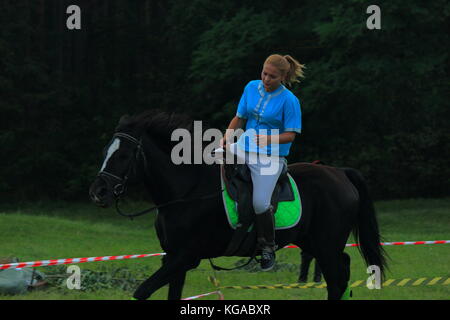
59 230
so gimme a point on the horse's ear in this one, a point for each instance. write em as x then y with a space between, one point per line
124 119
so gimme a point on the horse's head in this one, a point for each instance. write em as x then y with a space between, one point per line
125 153
121 157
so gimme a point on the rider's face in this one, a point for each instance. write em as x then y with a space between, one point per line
271 77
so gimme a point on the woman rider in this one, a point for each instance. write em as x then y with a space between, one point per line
271 116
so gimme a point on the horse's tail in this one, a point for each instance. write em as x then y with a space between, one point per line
366 231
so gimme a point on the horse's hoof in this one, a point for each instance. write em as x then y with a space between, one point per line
347 294
302 280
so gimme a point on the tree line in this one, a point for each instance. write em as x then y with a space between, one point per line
376 100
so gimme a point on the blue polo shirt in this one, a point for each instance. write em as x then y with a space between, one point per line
268 113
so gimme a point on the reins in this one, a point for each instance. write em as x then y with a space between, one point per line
216 267
133 215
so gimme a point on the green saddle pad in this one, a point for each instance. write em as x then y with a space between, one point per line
288 212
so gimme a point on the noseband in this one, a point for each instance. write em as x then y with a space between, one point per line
119 184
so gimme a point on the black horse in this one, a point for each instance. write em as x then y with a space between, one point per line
335 203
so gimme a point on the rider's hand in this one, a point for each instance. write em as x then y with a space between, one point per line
262 140
222 142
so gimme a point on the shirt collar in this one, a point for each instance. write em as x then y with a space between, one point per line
263 92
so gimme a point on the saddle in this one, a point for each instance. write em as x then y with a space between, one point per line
238 182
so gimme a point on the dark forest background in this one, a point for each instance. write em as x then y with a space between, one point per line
376 100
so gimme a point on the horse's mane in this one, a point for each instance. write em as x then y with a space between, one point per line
158 123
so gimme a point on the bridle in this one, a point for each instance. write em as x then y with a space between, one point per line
117 183
120 187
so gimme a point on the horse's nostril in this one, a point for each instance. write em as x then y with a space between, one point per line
98 194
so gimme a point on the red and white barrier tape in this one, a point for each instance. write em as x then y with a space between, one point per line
54 262
404 243
220 294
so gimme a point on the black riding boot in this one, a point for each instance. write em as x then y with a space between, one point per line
265 234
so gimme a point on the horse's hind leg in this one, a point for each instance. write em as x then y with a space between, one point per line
336 272
346 259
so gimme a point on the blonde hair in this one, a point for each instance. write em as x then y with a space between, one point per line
289 67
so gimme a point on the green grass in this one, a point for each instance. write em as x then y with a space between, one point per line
60 230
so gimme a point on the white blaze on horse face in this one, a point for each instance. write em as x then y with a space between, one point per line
112 148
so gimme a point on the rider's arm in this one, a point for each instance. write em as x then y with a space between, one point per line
263 140
235 123
285 137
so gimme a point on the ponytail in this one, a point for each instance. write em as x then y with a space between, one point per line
296 70
291 68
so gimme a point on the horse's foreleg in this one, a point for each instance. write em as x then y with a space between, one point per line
176 286
174 269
